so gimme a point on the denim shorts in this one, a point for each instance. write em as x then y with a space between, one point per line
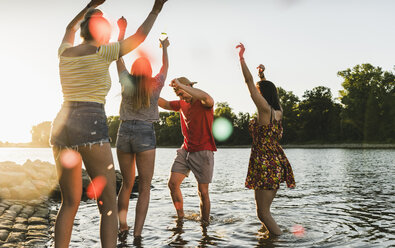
136 136
79 124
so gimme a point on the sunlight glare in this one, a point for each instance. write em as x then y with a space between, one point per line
96 187
222 129
298 231
70 158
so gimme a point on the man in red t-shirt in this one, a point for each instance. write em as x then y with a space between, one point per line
197 152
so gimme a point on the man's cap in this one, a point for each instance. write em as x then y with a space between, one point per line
185 81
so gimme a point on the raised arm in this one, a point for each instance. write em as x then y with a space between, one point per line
198 94
122 24
74 25
165 57
135 40
164 104
256 96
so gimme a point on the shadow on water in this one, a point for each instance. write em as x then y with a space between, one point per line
176 239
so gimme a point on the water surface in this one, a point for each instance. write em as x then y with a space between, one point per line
343 198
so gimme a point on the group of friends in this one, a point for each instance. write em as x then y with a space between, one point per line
81 126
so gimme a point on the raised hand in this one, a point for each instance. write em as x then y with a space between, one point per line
165 43
175 84
158 5
242 49
95 3
261 69
122 23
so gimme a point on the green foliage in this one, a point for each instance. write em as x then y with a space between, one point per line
240 135
113 125
40 134
366 114
364 85
319 116
168 129
289 103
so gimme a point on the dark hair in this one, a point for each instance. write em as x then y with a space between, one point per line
269 92
85 33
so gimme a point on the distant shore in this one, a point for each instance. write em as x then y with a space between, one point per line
307 146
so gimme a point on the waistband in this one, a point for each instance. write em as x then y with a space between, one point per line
82 104
136 122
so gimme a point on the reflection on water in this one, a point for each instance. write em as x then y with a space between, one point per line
343 198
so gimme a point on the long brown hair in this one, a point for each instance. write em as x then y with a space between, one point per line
142 75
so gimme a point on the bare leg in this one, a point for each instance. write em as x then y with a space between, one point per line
128 170
70 181
175 192
264 199
145 162
204 202
99 162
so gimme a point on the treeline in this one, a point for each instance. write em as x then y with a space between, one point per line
363 113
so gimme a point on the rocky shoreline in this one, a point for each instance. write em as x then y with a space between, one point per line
29 196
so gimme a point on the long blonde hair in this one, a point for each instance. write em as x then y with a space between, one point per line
142 74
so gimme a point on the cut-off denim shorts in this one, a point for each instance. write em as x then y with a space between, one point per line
79 124
136 136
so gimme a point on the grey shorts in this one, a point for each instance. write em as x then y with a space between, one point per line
201 164
136 136
79 124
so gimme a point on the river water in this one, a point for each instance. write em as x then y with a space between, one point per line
343 198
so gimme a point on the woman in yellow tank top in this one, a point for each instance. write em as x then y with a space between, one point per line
79 131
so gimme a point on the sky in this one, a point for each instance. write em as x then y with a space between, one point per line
302 43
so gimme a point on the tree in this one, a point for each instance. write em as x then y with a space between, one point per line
319 116
113 123
41 133
365 84
168 129
289 103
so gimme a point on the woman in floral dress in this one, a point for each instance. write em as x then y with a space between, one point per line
268 165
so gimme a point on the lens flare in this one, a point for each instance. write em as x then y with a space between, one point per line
222 129
100 29
96 187
298 231
69 158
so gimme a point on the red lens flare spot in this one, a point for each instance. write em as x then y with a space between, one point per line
100 29
69 159
96 187
178 205
142 66
298 230
100 203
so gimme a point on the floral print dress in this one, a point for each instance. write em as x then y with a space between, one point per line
268 165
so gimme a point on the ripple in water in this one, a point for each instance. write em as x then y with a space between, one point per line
343 198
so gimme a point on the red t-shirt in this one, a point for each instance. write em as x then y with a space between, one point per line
196 125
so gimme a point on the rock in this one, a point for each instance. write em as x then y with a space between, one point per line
9 215
35 234
9 178
4 234
16 237
6 226
20 220
2 209
16 208
36 242
38 228
28 210
37 221
19 227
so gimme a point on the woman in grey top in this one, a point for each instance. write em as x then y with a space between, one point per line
136 140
